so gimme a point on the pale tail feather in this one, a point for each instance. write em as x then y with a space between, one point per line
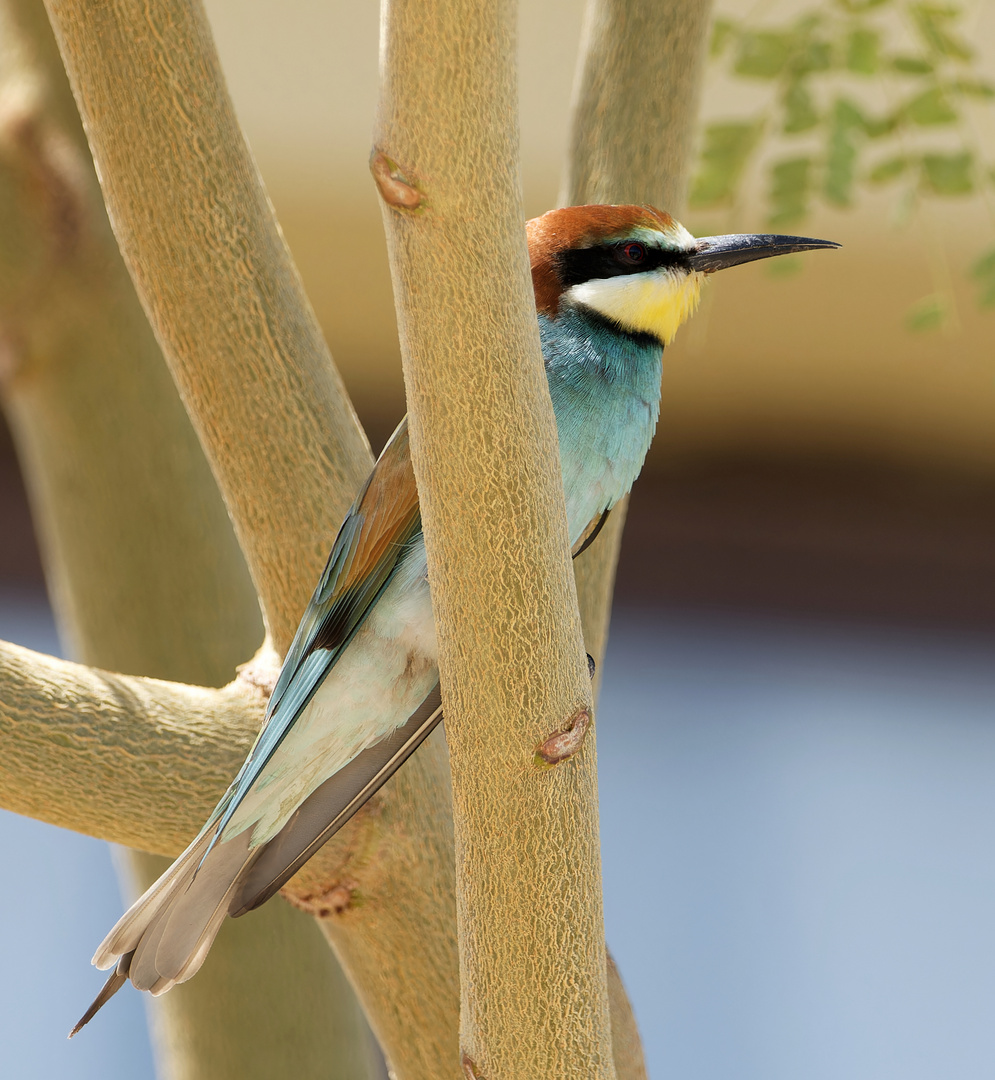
166 934
126 933
197 913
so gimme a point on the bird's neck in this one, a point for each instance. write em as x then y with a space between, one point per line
605 387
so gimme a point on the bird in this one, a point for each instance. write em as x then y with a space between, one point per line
358 690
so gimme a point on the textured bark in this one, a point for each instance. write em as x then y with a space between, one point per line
198 234
120 748
632 133
636 102
533 979
626 1043
145 575
226 304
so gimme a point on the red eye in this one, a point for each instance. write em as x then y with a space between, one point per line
634 252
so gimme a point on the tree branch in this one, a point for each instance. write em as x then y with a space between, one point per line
532 960
394 928
636 102
121 747
632 130
214 275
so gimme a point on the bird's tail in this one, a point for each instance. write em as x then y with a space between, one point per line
163 938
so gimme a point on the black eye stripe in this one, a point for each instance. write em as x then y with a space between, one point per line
609 260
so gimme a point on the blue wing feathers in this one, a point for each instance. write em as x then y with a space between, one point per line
338 608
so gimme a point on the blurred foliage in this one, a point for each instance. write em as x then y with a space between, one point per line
863 95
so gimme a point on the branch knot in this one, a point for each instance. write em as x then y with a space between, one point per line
395 188
566 742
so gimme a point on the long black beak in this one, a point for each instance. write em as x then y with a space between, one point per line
713 253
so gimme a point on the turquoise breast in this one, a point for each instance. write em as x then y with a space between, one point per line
605 386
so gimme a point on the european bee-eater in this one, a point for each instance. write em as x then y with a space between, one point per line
358 691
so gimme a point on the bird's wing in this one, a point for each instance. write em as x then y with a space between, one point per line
590 534
330 806
375 535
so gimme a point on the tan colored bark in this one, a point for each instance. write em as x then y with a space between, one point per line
636 101
146 576
120 747
626 1043
533 976
632 133
200 240
391 872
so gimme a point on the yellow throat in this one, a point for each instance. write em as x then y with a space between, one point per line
652 303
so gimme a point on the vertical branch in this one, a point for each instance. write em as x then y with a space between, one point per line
532 961
145 572
632 133
636 101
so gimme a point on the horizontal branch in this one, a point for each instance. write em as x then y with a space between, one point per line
133 760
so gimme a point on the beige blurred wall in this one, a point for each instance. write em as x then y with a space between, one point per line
813 364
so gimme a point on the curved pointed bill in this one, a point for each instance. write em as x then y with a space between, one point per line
713 253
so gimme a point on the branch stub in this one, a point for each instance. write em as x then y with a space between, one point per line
395 188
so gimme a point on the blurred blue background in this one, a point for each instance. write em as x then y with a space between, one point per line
797 836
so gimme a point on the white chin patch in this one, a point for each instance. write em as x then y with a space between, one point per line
654 302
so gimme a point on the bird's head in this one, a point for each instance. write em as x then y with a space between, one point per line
634 265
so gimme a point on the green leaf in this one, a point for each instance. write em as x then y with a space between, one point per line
724 157
848 114
863 51
884 125
763 54
972 88
789 191
929 313
888 170
948 174
931 22
841 152
911 65
799 110
811 56
930 109
723 32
